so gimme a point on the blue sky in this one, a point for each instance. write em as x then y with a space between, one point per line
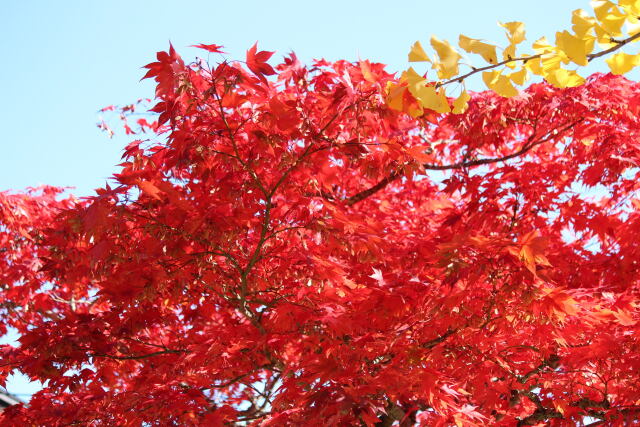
65 60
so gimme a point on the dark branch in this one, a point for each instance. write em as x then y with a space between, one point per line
369 191
488 67
441 338
619 44
525 149
590 57
139 356
460 165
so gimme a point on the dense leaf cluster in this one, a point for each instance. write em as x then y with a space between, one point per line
289 250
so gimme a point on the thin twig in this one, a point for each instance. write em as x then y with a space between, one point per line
619 44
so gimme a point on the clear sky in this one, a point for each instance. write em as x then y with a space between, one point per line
64 60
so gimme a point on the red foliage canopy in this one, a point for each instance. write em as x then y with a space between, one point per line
291 251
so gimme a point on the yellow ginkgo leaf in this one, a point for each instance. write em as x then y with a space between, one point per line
490 77
603 37
609 16
622 63
417 53
515 31
542 46
499 83
535 66
395 94
415 110
414 81
520 76
447 65
509 53
613 23
562 78
551 62
433 99
601 8
631 7
574 47
427 96
412 76
582 22
461 103
486 50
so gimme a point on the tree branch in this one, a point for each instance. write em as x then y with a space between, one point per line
434 342
460 165
590 57
525 149
138 356
459 79
369 191
618 45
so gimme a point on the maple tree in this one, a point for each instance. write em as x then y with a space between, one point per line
287 248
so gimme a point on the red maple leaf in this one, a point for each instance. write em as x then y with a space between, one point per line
214 48
257 62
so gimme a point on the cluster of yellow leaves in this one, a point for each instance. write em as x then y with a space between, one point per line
614 24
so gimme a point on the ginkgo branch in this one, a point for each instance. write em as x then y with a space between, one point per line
619 44
459 79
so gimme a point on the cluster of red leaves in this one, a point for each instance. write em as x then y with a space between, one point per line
290 252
